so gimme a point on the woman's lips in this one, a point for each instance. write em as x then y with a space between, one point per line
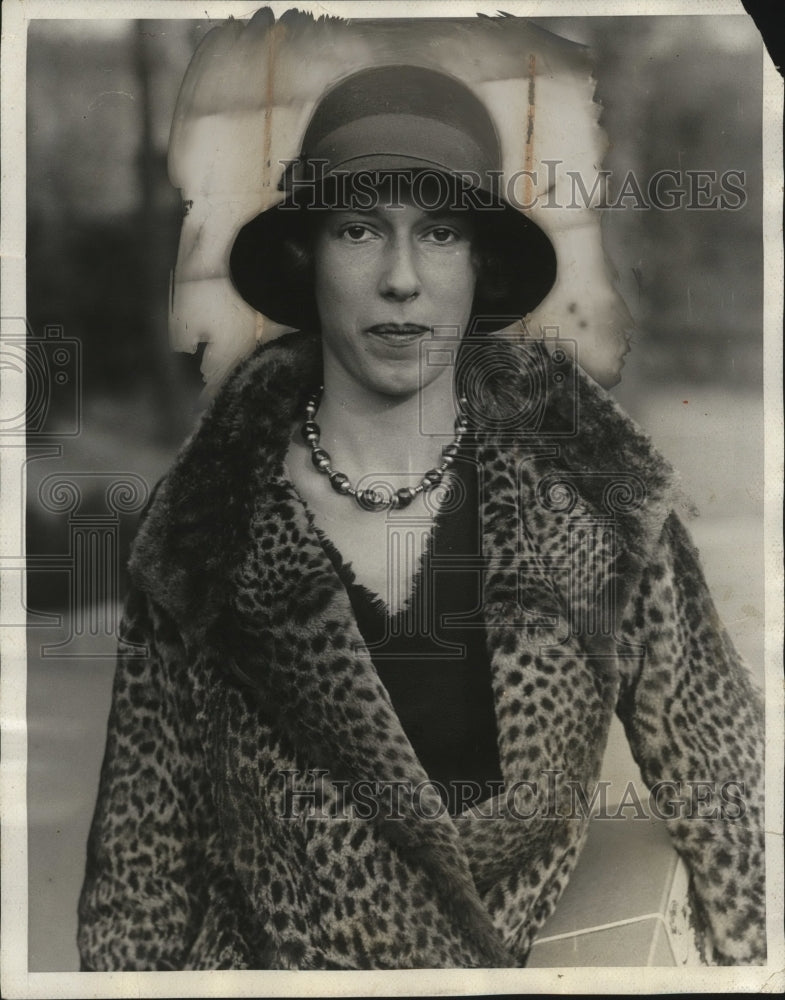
398 333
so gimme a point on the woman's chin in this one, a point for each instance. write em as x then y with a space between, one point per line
398 378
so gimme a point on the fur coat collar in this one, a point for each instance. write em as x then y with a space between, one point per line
580 442
574 498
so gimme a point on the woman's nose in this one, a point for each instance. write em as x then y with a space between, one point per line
400 279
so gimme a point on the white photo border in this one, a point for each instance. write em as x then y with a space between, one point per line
16 980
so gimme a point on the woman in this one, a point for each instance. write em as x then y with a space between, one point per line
392 592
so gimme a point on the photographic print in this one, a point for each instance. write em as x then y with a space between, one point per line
392 562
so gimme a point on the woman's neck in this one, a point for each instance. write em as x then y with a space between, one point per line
366 432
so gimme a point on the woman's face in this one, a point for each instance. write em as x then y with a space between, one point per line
384 279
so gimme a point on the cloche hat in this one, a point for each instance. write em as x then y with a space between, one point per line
374 124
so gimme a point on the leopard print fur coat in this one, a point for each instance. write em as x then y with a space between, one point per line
242 670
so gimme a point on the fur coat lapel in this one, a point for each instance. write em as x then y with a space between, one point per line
571 503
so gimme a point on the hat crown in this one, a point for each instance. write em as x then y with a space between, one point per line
402 112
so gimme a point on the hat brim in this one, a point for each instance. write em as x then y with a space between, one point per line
264 266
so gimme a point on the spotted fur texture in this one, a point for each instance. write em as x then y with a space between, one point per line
594 602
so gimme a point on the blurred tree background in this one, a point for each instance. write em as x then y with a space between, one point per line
685 94
103 220
102 230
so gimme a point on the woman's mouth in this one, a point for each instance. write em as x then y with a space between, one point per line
398 333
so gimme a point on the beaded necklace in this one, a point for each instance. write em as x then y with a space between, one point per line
377 499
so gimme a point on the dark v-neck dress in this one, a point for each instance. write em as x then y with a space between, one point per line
432 654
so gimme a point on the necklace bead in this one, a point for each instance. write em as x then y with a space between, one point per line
377 499
320 459
373 500
311 432
405 496
340 483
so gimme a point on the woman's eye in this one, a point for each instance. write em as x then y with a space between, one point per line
356 233
443 235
